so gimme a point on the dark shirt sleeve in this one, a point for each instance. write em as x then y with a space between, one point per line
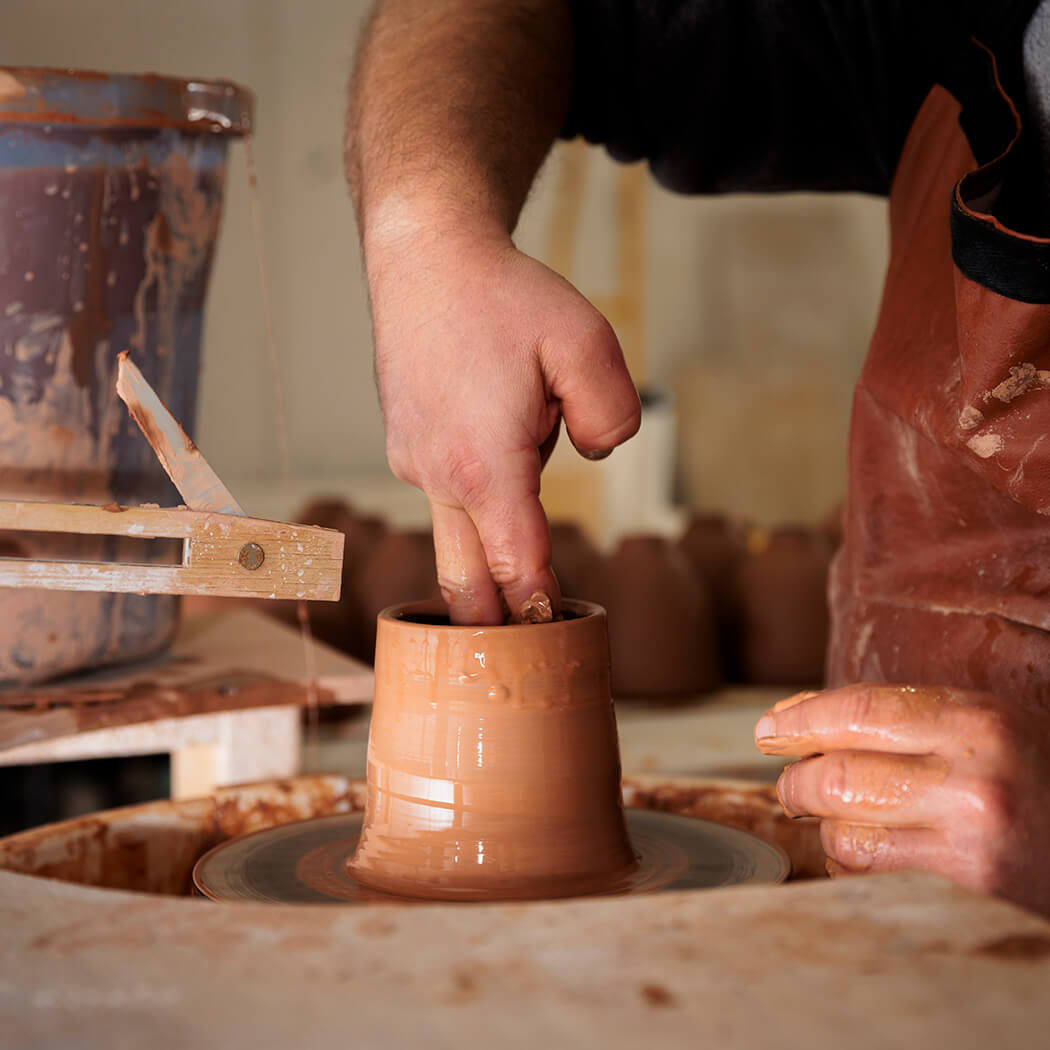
762 95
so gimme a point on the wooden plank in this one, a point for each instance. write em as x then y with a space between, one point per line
293 561
182 461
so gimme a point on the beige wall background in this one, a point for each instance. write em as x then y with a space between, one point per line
753 312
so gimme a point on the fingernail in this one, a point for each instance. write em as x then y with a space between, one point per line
791 701
598 453
783 791
766 727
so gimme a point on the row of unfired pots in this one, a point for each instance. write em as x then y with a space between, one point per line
724 602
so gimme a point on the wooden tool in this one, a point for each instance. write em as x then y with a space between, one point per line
225 553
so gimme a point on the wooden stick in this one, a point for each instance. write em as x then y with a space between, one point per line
223 554
190 472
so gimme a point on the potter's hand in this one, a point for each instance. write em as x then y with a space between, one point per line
480 350
946 780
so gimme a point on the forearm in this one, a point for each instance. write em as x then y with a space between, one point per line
453 106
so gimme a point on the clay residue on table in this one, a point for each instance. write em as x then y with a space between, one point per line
151 848
754 808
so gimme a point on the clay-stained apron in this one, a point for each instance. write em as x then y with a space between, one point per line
944 575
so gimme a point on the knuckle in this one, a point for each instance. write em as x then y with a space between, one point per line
995 731
505 570
401 453
834 782
860 706
468 477
854 847
596 335
402 464
834 837
989 731
457 591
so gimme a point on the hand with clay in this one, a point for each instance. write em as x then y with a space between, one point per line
481 351
945 780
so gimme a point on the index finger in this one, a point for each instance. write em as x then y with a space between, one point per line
463 575
497 541
891 718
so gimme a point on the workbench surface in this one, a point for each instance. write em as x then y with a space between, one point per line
901 960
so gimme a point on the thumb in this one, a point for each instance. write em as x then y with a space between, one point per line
599 402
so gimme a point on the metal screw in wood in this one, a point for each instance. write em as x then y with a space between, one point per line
251 556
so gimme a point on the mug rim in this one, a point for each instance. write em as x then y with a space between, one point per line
397 613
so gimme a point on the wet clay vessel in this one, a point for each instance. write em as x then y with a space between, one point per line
493 765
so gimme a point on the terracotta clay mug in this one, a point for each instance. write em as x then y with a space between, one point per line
493 761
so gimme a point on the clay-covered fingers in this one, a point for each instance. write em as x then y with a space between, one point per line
890 718
480 350
586 371
854 849
870 788
463 575
495 540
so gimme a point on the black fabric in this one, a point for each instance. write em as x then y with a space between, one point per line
768 95
1010 266
1007 186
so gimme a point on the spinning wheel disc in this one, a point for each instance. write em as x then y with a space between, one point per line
305 862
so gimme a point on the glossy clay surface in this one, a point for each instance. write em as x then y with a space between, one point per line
493 765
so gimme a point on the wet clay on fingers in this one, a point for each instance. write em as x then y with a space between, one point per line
537 609
493 765
870 785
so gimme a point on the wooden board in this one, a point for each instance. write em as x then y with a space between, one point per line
223 554
218 662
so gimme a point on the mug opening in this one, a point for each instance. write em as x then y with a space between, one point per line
435 614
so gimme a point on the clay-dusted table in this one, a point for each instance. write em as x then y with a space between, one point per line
903 961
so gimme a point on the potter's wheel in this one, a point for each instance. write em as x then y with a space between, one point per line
304 862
